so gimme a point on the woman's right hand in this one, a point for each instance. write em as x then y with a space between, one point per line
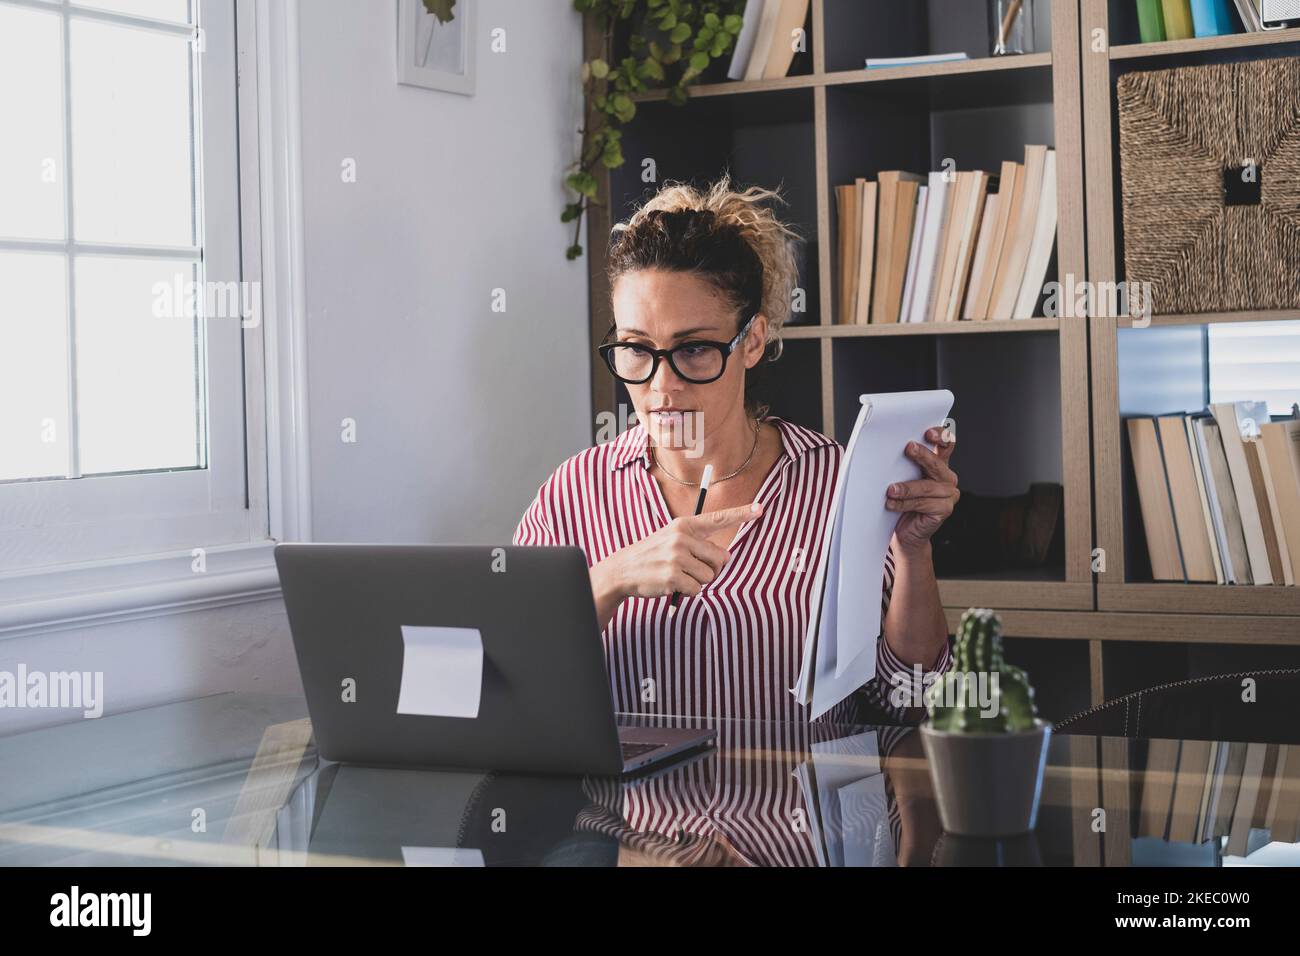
677 557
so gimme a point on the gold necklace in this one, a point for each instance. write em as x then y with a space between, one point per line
695 484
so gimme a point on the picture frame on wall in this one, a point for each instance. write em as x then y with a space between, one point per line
435 48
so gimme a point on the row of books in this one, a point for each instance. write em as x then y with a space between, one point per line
1182 19
1192 791
1220 494
766 43
1198 790
948 246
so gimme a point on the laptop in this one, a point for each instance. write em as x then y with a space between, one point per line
543 696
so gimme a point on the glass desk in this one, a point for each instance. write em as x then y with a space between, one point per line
233 779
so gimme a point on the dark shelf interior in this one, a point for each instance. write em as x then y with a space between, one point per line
1131 666
858 29
1058 671
762 139
999 455
791 387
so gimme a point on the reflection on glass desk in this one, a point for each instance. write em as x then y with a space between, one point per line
234 780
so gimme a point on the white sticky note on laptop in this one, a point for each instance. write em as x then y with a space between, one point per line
442 671
441 856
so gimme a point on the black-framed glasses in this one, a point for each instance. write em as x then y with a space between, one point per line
696 361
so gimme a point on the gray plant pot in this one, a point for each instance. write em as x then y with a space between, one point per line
987 785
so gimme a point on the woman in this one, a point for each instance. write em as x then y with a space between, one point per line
701 284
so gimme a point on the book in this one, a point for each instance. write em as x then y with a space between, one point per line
1189 787
982 294
904 217
988 225
1116 797
752 17
1258 467
1244 813
938 203
1158 788
849 232
1178 19
1286 822
1020 233
1211 18
1203 496
867 195
1042 244
1193 532
1279 819
1282 442
967 235
1234 766
1231 416
886 218
789 20
763 40
1223 501
1282 572
947 261
914 253
883 62
1259 818
1211 789
1151 21
1154 501
1085 780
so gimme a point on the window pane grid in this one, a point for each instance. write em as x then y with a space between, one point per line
1256 361
133 13
72 251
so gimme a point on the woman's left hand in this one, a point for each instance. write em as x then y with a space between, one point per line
927 502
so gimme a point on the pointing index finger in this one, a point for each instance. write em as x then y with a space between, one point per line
717 520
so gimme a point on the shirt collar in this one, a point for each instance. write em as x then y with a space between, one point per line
634 444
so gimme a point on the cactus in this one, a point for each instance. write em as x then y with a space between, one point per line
978 650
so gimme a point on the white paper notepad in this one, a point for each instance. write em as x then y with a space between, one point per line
442 671
839 654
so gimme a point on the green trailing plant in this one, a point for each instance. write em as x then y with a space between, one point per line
670 44
978 650
444 10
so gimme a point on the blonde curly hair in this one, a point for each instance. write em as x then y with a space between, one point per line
728 237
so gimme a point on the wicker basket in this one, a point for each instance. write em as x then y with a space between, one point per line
1188 134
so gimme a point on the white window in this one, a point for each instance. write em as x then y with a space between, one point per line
1256 361
126 333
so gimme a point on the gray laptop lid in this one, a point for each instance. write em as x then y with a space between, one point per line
545 704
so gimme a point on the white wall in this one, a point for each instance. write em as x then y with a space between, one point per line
461 412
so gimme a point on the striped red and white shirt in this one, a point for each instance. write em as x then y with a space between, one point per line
735 650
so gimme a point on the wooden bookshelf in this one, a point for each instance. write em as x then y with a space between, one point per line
893 74
1130 609
1213 318
992 326
836 121
832 121
1233 41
